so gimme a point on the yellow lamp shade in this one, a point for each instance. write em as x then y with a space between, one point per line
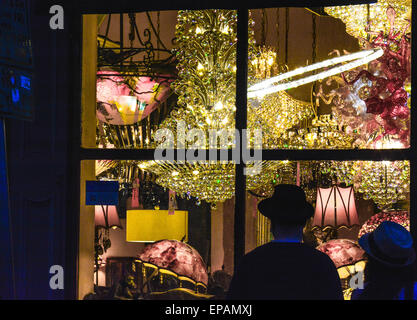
154 225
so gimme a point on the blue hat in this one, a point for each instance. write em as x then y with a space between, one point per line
390 244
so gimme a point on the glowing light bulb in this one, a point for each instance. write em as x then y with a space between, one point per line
225 29
218 106
126 103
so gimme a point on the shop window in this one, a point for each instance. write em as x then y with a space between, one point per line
146 82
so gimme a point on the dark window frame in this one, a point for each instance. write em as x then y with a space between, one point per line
79 153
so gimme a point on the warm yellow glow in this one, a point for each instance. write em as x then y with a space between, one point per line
126 104
218 106
154 225
389 144
143 165
225 29
357 17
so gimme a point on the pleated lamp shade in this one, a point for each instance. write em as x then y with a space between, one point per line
107 217
335 208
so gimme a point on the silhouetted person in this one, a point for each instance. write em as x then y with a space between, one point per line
286 268
390 271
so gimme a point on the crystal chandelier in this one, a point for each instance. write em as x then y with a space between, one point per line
206 86
276 112
371 17
213 181
323 133
385 182
206 51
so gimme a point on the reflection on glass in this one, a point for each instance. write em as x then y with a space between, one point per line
334 82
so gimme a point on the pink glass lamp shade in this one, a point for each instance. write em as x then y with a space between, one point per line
335 208
400 217
109 86
119 105
343 252
178 257
152 92
107 217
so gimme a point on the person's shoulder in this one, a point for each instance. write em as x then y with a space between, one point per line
264 249
317 257
317 253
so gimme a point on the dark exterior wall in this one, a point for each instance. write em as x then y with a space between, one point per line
38 158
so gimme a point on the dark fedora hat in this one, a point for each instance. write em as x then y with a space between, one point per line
390 243
288 205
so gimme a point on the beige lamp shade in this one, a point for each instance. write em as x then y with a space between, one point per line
335 207
154 225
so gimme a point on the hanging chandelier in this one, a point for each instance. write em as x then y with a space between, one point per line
385 182
364 18
213 181
278 112
206 85
323 133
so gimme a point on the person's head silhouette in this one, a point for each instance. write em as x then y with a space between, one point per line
288 211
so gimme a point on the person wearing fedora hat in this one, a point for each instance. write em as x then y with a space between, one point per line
390 270
286 268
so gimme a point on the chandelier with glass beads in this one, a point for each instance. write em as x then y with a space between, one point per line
385 182
362 19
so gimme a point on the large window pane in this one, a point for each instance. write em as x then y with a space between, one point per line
361 101
351 198
172 70
170 207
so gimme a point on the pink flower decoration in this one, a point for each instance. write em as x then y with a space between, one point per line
400 217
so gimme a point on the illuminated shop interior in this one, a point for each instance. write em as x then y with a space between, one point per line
340 80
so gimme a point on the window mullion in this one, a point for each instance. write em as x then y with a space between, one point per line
241 117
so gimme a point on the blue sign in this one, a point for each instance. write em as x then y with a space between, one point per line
102 193
16 67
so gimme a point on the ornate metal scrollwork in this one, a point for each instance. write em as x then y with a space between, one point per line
140 60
